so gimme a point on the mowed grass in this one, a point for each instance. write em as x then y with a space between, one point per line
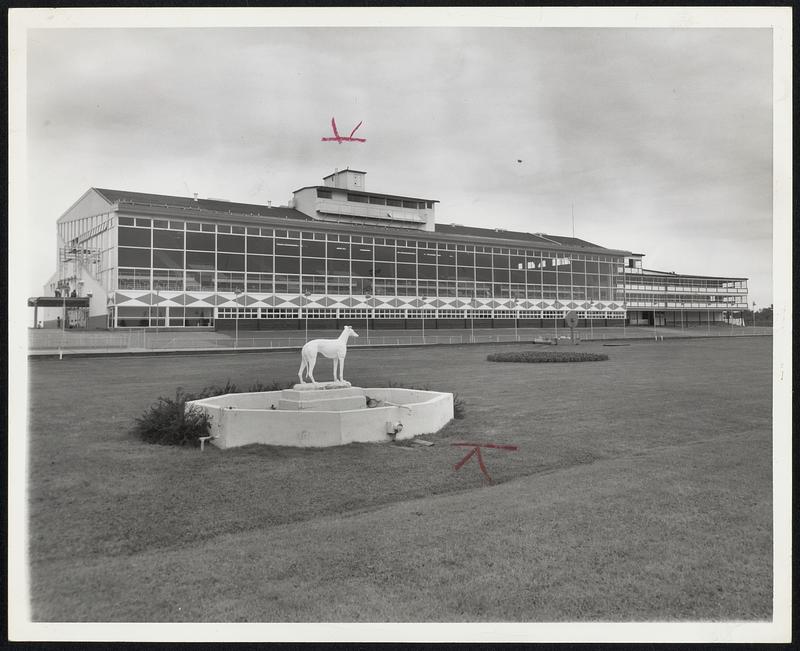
641 491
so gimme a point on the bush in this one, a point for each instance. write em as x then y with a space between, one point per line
169 422
537 357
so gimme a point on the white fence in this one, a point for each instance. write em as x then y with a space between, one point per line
140 340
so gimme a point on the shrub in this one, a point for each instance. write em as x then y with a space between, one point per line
536 357
169 422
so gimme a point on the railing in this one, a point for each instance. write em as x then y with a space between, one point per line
140 340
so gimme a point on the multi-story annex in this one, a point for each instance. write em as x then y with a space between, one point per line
340 253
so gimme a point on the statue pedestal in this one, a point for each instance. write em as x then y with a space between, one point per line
323 399
321 386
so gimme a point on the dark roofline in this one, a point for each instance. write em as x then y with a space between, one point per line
674 274
220 206
363 192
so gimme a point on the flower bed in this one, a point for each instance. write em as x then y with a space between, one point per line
538 357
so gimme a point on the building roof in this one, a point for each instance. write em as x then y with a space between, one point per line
365 193
247 210
346 169
529 239
653 272
215 205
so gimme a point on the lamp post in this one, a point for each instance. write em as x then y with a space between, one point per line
306 295
158 302
423 299
591 320
655 323
237 290
516 306
754 317
683 303
368 296
472 319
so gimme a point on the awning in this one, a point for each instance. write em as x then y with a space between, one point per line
55 301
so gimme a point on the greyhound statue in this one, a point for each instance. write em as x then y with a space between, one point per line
335 349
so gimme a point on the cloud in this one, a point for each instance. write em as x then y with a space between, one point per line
661 139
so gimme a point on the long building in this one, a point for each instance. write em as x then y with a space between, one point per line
339 253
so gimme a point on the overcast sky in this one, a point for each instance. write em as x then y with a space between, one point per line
661 139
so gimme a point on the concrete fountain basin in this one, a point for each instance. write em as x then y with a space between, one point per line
324 416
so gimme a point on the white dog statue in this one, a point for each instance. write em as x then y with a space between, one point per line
335 349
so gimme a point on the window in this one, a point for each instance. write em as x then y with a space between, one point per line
358 198
230 262
360 252
230 243
287 265
380 201
361 268
134 237
259 245
197 260
200 241
167 259
229 282
259 263
427 271
167 279
259 282
133 257
199 281
385 269
287 284
324 193
337 250
447 272
314 266
168 239
133 278
406 270
384 286
313 249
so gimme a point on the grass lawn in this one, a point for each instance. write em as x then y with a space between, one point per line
641 491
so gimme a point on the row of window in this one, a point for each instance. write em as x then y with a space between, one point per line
203 261
268 283
200 248
135 232
349 313
704 287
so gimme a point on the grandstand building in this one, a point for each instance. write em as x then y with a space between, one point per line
339 253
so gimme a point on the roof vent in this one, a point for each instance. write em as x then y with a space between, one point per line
195 196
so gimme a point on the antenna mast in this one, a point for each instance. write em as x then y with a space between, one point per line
573 221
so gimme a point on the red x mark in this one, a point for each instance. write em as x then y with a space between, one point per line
341 139
476 451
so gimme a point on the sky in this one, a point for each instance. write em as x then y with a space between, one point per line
659 141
